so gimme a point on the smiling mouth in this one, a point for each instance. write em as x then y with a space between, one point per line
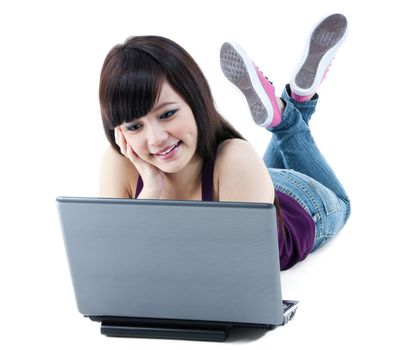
169 150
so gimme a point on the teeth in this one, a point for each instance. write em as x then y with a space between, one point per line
162 154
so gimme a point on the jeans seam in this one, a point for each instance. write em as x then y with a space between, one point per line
292 195
325 201
318 215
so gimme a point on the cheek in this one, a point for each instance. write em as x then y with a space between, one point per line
191 130
135 145
194 133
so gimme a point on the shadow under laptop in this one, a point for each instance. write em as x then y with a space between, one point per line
238 335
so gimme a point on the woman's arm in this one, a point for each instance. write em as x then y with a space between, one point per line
118 176
243 176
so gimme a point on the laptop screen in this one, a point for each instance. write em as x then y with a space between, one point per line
185 260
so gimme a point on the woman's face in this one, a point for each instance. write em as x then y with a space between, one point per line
167 136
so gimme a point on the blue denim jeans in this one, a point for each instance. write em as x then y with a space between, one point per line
298 169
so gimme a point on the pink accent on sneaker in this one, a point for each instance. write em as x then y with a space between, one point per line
325 73
299 98
270 91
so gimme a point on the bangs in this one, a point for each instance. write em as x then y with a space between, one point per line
129 89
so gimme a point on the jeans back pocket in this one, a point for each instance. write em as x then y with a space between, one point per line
329 199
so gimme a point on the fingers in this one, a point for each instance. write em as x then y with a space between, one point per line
120 140
131 154
125 147
153 175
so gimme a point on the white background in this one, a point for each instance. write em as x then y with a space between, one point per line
351 292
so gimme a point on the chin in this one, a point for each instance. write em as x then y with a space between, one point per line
170 169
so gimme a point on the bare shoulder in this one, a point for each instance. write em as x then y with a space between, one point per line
118 176
234 148
242 174
235 155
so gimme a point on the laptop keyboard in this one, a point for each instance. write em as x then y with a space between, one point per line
287 304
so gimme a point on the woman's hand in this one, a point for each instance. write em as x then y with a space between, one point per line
152 177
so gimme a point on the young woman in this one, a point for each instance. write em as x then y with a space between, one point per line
169 142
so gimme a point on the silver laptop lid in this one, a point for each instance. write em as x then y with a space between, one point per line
189 260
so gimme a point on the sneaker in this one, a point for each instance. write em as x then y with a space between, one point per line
321 48
257 89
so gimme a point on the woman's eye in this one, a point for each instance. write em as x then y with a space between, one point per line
137 126
168 114
134 127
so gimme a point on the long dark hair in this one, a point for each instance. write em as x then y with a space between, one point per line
130 82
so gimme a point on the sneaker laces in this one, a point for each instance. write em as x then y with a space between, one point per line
269 80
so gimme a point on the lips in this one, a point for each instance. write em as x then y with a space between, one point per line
166 150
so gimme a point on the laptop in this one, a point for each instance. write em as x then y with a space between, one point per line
174 269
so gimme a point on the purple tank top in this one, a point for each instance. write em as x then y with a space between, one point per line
295 231
207 181
295 226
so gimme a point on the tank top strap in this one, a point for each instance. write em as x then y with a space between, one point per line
207 181
140 185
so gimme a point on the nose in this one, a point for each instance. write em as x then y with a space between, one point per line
156 135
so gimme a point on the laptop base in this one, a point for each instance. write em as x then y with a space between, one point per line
162 332
136 327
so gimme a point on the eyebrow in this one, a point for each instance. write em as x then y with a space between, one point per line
163 104
156 108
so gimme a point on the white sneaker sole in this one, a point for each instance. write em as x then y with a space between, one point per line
321 47
239 70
